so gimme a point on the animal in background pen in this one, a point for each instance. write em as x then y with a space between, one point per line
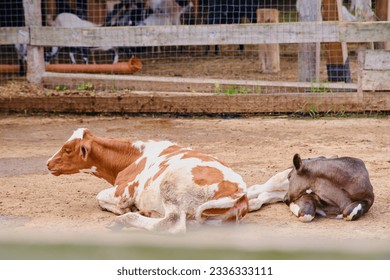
233 12
165 12
68 20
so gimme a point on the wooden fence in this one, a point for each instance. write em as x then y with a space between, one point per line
36 36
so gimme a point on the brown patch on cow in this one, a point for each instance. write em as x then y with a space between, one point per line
128 175
120 189
214 212
132 188
233 214
163 166
170 150
226 188
242 206
199 155
147 184
205 175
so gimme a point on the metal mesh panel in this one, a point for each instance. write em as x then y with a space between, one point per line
11 15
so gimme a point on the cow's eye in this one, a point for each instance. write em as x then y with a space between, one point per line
67 150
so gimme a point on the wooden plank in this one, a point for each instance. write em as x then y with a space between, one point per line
308 54
375 80
377 60
169 35
13 35
269 54
35 56
376 101
129 80
359 32
212 34
186 35
199 34
189 104
340 18
360 64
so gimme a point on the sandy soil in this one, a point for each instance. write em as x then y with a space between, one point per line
258 147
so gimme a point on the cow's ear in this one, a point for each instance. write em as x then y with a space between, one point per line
85 149
86 133
297 161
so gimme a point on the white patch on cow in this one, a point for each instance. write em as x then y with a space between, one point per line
139 145
93 169
306 218
107 200
265 197
151 150
278 182
321 212
354 212
213 188
309 191
339 216
77 134
294 208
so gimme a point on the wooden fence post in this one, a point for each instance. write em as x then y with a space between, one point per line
269 53
337 53
35 56
309 53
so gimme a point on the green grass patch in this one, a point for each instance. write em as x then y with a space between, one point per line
17 251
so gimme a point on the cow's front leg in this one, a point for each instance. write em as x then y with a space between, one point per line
115 204
172 222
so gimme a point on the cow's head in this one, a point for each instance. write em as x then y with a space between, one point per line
73 157
300 179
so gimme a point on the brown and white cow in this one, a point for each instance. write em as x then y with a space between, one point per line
155 179
333 187
164 184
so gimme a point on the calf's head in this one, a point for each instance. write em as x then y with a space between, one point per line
73 156
300 179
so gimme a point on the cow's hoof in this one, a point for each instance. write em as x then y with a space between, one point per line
306 218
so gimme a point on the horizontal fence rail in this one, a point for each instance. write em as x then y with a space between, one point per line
298 32
14 35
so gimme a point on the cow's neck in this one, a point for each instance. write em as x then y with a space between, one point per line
111 156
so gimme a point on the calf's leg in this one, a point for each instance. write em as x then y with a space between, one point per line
108 201
304 208
354 210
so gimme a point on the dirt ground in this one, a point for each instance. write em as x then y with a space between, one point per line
257 147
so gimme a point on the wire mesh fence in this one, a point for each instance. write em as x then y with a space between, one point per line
280 64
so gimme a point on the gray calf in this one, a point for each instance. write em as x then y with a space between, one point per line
333 187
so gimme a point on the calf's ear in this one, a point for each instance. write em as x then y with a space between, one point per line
297 161
85 149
